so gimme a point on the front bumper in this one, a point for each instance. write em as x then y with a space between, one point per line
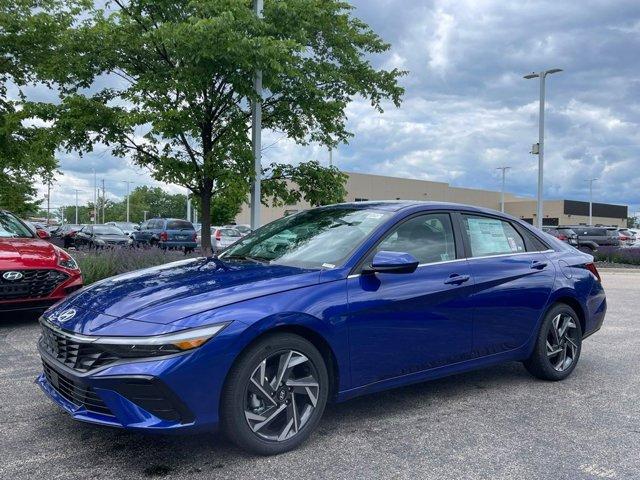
179 393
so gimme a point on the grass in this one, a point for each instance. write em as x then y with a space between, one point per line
98 264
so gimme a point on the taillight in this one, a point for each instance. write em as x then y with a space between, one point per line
164 236
592 268
562 237
218 235
624 238
194 237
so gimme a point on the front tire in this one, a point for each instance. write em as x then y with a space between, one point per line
558 345
275 395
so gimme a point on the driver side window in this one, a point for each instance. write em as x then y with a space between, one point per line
429 238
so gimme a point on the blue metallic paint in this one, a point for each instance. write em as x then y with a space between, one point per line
381 330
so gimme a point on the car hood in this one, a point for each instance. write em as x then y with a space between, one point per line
16 253
168 293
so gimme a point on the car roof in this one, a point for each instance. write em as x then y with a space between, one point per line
397 205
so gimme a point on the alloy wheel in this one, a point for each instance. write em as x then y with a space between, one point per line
562 342
281 395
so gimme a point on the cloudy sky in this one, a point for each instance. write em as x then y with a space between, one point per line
467 109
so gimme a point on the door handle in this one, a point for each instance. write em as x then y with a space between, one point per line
455 279
538 265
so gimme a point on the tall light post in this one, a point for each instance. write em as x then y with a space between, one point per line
591 180
95 197
504 172
77 190
256 135
540 147
128 191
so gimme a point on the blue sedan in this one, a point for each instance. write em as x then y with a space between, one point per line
324 305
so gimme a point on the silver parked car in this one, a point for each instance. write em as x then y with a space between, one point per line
127 227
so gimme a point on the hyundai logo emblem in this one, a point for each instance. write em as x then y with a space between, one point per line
66 315
12 276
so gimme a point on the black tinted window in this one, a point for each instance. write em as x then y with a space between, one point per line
534 244
179 225
492 236
429 238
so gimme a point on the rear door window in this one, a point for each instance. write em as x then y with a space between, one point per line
492 236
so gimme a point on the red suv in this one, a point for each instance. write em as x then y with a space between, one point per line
34 274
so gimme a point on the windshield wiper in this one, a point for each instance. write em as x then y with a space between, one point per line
260 260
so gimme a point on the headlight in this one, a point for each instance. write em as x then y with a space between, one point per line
153 346
65 260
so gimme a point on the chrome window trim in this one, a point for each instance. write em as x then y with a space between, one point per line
356 275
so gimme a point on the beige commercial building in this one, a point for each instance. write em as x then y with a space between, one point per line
363 187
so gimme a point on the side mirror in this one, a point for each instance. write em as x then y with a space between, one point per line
393 262
43 234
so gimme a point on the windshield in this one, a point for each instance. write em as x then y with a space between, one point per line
323 237
125 225
107 230
229 232
11 227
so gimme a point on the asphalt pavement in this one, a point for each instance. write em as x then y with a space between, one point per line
496 423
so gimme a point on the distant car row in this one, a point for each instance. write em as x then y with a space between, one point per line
590 238
166 233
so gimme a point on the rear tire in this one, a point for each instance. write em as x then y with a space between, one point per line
275 395
558 345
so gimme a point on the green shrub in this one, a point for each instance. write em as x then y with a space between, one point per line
98 264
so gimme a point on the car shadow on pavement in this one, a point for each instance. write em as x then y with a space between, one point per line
18 318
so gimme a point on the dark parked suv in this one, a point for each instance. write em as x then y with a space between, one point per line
167 233
602 236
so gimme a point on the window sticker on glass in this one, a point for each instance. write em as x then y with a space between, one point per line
491 236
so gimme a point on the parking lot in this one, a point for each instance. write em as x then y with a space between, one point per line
495 423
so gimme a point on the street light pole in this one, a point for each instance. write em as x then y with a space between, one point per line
591 180
256 135
504 171
542 76
128 191
77 206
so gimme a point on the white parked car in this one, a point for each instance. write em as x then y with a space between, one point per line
221 237
242 228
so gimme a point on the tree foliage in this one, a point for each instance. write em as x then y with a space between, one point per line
26 146
181 84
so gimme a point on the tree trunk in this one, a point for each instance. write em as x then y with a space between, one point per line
205 202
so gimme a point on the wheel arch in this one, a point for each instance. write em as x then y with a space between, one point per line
304 329
575 304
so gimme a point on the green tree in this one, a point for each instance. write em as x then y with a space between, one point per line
26 147
184 71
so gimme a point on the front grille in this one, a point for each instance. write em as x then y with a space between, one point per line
79 356
75 392
33 284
